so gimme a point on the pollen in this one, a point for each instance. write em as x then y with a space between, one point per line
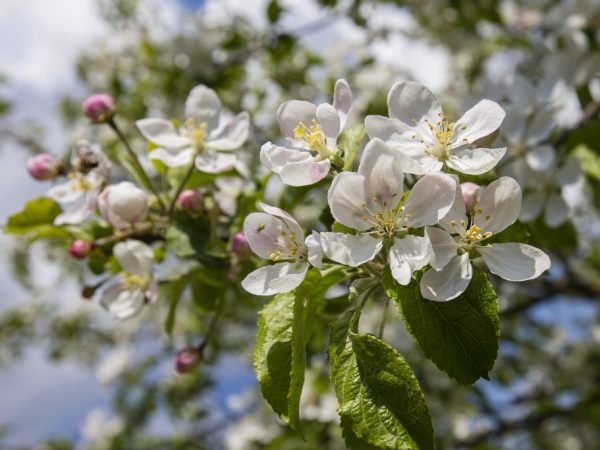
133 281
197 132
312 136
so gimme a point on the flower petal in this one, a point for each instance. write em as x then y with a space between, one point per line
342 100
501 200
475 161
135 257
66 192
455 221
413 103
291 223
211 161
448 283
407 255
515 262
540 158
232 135
416 159
263 232
292 112
172 157
346 198
305 173
78 212
204 106
275 157
478 122
122 303
329 120
351 250
429 200
162 132
381 168
443 247
383 127
532 206
570 173
276 278
557 211
315 251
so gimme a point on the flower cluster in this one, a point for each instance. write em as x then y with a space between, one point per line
425 221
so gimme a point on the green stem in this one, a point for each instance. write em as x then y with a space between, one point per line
383 318
136 162
186 178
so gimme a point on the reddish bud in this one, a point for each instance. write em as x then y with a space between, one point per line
99 108
186 360
239 244
469 193
190 200
80 249
42 167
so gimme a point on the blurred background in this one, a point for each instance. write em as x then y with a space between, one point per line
71 377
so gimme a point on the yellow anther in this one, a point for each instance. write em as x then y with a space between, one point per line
453 223
312 136
133 281
260 227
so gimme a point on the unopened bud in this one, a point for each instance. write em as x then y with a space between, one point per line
186 360
239 244
42 167
99 108
469 193
80 249
190 200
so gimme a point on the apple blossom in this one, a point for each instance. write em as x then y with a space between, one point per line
203 137
186 360
497 208
123 204
99 108
314 130
469 194
418 128
239 244
136 285
372 203
42 167
89 170
80 249
190 200
275 235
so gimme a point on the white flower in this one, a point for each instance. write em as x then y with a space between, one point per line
313 130
202 136
113 365
371 202
275 235
89 170
136 285
497 207
123 204
99 428
418 128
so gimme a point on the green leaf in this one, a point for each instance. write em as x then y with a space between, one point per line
37 220
274 11
460 336
563 237
176 287
350 142
380 399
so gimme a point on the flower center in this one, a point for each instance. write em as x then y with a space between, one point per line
133 281
388 221
474 234
313 137
197 132
288 246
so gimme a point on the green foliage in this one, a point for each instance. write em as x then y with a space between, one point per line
590 163
350 142
274 11
380 398
562 238
36 220
460 336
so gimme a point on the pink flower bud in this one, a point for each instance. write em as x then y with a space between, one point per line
186 360
190 200
99 108
123 204
469 193
42 167
80 248
239 244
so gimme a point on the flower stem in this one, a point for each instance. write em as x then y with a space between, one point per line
136 162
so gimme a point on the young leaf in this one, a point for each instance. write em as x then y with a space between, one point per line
350 144
36 219
460 336
380 399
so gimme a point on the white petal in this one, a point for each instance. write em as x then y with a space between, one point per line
342 100
329 120
78 212
276 278
416 159
264 233
557 211
203 105
381 168
172 157
162 132
291 223
443 246
429 200
383 127
276 158
478 122
305 173
407 255
448 283
293 112
475 161
346 198
501 199
122 303
232 135
66 192
214 162
540 158
134 257
570 173
315 251
412 103
532 206
349 249
457 215
515 262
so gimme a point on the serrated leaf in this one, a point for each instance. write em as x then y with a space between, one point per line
37 220
460 336
380 399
